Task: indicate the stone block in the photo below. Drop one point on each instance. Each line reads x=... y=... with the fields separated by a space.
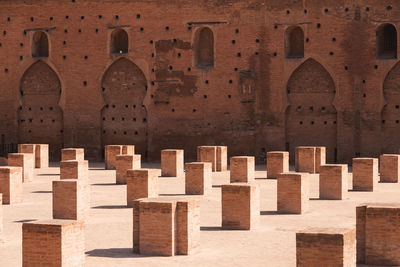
x=24 y=160
x=333 y=181
x=41 y=152
x=11 y=184
x=74 y=169
x=277 y=162
x=240 y=206
x=389 y=168
x=124 y=163
x=222 y=159
x=198 y=178
x=166 y=226
x=111 y=152
x=53 y=243
x=305 y=159
x=71 y=199
x=326 y=247
x=320 y=157
x=141 y=183
x=127 y=150
x=365 y=174
x=242 y=169
x=172 y=162
x=208 y=154
x=73 y=154
x=293 y=192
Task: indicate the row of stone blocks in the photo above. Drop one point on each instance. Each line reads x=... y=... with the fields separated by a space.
x=373 y=242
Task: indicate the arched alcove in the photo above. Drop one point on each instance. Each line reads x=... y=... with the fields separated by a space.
x=119 y=42
x=124 y=117
x=40 y=44
x=204 y=48
x=386 y=42
x=311 y=116
x=40 y=118
x=294 y=42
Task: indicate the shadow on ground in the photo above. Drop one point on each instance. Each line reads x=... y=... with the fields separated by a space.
x=114 y=253
x=112 y=207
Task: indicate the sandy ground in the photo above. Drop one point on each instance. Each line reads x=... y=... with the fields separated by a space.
x=109 y=228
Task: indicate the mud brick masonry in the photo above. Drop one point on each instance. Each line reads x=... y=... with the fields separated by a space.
x=73 y=154
x=141 y=183
x=53 y=243
x=41 y=152
x=277 y=162
x=240 y=206
x=365 y=174
x=24 y=160
x=389 y=168
x=293 y=192
x=242 y=169
x=166 y=227
x=172 y=162
x=217 y=155
x=198 y=178
x=333 y=181
x=124 y=163
x=326 y=247
x=11 y=184
x=378 y=234
x=74 y=169
x=111 y=151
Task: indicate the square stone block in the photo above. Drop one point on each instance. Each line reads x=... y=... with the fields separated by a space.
x=305 y=159
x=389 y=168
x=128 y=150
x=172 y=163
x=378 y=234
x=123 y=164
x=111 y=152
x=74 y=169
x=365 y=174
x=240 y=206
x=277 y=162
x=24 y=160
x=333 y=181
x=320 y=157
x=166 y=226
x=222 y=159
x=326 y=247
x=11 y=184
x=242 y=169
x=142 y=183
x=73 y=154
x=208 y=154
x=53 y=243
x=41 y=152
x=198 y=178
x=71 y=199
x=293 y=192
x=26 y=148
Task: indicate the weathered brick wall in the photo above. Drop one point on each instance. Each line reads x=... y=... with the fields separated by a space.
x=252 y=98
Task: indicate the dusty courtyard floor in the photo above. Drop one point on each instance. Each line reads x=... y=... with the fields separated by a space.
x=109 y=228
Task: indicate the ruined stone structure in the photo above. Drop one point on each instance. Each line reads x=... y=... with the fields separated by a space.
x=257 y=76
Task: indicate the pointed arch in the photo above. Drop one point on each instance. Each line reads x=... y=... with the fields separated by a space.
x=294 y=42
x=40 y=44
x=386 y=42
x=124 y=117
x=119 y=42
x=391 y=111
x=311 y=116
x=40 y=118
x=204 y=48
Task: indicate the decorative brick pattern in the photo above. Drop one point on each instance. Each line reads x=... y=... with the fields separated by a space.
x=378 y=234
x=11 y=184
x=123 y=164
x=389 y=168
x=73 y=169
x=198 y=178
x=172 y=163
x=326 y=247
x=240 y=206
x=53 y=243
x=365 y=174
x=142 y=183
x=277 y=162
x=293 y=192
x=333 y=181
x=242 y=169
x=71 y=199
x=305 y=159
x=73 y=154
x=24 y=160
